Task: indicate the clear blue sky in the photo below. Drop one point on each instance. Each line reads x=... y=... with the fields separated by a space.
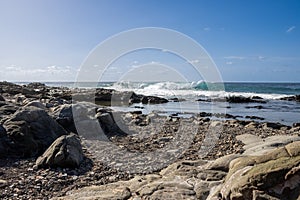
x=251 y=40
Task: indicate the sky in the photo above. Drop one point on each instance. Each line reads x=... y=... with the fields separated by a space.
x=250 y=40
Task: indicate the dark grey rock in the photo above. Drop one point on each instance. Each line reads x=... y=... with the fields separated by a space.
x=2 y=98
x=291 y=98
x=66 y=151
x=31 y=130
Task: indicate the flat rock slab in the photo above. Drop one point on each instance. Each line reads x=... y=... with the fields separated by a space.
x=254 y=145
x=181 y=180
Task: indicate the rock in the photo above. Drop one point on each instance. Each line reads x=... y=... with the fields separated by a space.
x=257 y=107
x=8 y=109
x=107 y=122
x=4 y=141
x=2 y=98
x=103 y=94
x=256 y=97
x=31 y=131
x=2 y=131
x=254 y=117
x=273 y=125
x=242 y=99
x=65 y=151
x=36 y=85
x=251 y=125
x=176 y=99
x=181 y=180
x=204 y=114
x=222 y=163
x=2 y=103
x=3 y=183
x=108 y=96
x=37 y=104
x=64 y=116
x=296 y=124
x=255 y=145
x=291 y=98
x=271 y=174
x=10 y=88
x=235 y=99
x=153 y=100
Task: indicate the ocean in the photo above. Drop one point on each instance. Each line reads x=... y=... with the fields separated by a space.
x=188 y=93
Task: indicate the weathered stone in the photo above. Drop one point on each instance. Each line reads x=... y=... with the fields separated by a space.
x=36 y=104
x=250 y=174
x=65 y=151
x=222 y=163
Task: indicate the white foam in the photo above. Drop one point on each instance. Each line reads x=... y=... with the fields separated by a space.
x=184 y=90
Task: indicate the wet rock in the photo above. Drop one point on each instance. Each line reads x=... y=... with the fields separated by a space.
x=153 y=100
x=31 y=130
x=204 y=114
x=103 y=94
x=257 y=107
x=254 y=117
x=296 y=124
x=273 y=125
x=65 y=151
x=256 y=97
x=291 y=98
x=176 y=99
x=242 y=99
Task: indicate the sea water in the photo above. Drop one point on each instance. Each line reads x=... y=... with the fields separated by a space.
x=274 y=110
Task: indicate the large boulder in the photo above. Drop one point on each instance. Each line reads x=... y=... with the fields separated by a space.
x=275 y=174
x=65 y=151
x=69 y=114
x=64 y=116
x=31 y=131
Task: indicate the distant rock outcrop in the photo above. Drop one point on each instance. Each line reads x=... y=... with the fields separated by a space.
x=291 y=98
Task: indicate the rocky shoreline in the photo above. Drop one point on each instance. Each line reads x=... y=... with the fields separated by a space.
x=43 y=153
